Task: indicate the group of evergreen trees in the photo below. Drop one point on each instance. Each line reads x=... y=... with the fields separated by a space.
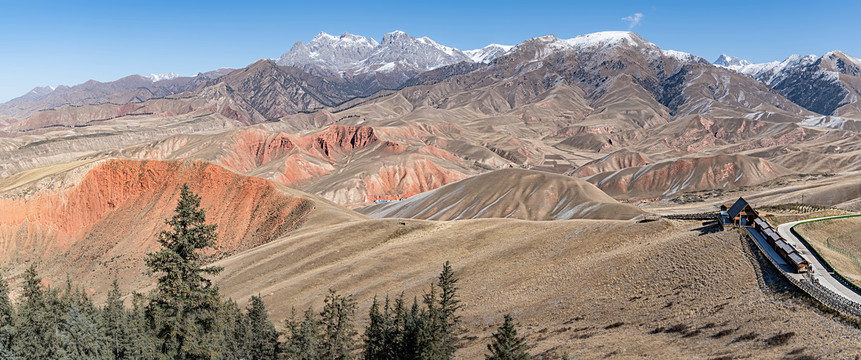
x=185 y=317
x=399 y=331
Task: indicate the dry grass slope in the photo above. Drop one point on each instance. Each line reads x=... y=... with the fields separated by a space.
x=587 y=287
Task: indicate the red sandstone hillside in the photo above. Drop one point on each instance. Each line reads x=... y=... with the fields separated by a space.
x=347 y=164
x=509 y=193
x=93 y=219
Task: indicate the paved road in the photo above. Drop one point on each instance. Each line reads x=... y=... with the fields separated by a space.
x=819 y=273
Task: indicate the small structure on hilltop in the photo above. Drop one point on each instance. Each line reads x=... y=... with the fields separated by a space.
x=740 y=214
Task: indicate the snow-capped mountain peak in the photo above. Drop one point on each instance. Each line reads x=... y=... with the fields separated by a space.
x=604 y=39
x=160 y=77
x=358 y=54
x=329 y=51
x=841 y=62
x=488 y=53
x=731 y=62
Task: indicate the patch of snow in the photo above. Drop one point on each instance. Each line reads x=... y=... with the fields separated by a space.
x=601 y=39
x=387 y=67
x=731 y=62
x=488 y=53
x=160 y=77
x=825 y=122
x=680 y=56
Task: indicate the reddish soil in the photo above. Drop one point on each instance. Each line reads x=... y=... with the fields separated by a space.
x=111 y=218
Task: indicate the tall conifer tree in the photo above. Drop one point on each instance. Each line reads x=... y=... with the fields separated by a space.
x=36 y=325
x=339 y=333
x=263 y=344
x=115 y=324
x=449 y=304
x=184 y=305
x=304 y=340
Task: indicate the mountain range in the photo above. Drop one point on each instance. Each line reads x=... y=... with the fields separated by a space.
x=449 y=114
x=828 y=85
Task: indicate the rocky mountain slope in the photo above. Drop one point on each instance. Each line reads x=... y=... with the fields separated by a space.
x=828 y=85
x=392 y=61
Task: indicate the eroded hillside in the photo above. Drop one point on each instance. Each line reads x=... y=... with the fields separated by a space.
x=100 y=218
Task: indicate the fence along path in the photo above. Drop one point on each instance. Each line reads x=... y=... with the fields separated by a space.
x=821 y=294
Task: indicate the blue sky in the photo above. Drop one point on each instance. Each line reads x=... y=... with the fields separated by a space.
x=69 y=42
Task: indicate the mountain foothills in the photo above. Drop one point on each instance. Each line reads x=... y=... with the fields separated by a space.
x=344 y=163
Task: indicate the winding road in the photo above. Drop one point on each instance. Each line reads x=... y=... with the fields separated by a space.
x=820 y=275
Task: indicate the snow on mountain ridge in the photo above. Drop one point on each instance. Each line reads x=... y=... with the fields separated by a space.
x=160 y=77
x=681 y=56
x=776 y=71
x=731 y=62
x=602 y=39
x=357 y=54
x=488 y=53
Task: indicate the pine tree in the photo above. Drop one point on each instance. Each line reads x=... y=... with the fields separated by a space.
x=339 y=334
x=115 y=324
x=506 y=345
x=234 y=332
x=375 y=334
x=304 y=339
x=263 y=344
x=80 y=338
x=415 y=341
x=142 y=339
x=431 y=329
x=7 y=321
x=36 y=325
x=448 y=322
x=392 y=332
x=183 y=306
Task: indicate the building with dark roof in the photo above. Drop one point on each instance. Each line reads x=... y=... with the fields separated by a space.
x=741 y=213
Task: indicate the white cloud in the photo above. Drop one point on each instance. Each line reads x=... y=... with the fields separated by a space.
x=633 y=20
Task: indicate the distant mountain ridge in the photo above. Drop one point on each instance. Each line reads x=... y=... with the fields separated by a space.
x=130 y=89
x=354 y=54
x=829 y=85
x=364 y=62
x=337 y=69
